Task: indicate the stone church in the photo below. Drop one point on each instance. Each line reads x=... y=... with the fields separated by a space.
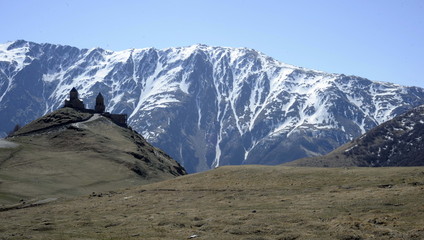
x=75 y=103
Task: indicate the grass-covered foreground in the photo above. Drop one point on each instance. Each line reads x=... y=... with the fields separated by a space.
x=240 y=202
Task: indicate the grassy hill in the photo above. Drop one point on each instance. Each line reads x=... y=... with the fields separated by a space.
x=70 y=153
x=240 y=202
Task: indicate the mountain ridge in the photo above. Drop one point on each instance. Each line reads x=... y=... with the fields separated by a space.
x=397 y=142
x=205 y=106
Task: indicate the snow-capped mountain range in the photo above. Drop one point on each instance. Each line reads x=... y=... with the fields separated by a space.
x=205 y=106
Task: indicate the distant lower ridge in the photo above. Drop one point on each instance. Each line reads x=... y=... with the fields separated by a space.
x=397 y=142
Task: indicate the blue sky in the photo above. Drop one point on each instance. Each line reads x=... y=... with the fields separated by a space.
x=382 y=40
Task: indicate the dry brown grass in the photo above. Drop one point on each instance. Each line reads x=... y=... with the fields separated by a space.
x=240 y=202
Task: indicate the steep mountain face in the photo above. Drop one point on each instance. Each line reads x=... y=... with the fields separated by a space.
x=69 y=152
x=205 y=106
x=397 y=142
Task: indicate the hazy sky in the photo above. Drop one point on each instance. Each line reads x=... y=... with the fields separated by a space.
x=381 y=40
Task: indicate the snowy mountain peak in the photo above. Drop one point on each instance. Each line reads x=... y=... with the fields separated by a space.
x=205 y=106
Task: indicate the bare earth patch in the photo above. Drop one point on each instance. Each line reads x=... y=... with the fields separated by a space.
x=7 y=144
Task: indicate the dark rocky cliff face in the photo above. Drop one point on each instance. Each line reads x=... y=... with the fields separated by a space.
x=204 y=106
